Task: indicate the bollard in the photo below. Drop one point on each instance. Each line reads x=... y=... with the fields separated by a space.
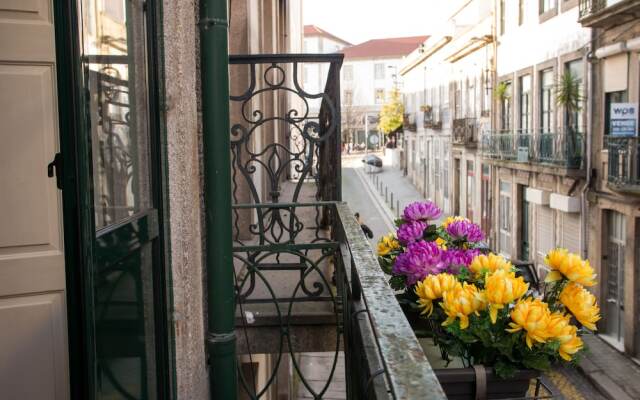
x=391 y=201
x=386 y=195
x=397 y=208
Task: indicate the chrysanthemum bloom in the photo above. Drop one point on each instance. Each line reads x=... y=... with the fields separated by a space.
x=411 y=232
x=560 y=329
x=483 y=264
x=387 y=244
x=533 y=316
x=461 y=302
x=465 y=230
x=570 y=266
x=458 y=258
x=449 y=220
x=419 y=260
x=421 y=211
x=581 y=304
x=572 y=345
x=502 y=288
x=432 y=288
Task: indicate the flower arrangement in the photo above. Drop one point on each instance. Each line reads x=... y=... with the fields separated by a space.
x=477 y=306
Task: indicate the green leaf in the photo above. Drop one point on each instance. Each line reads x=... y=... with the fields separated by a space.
x=397 y=282
x=504 y=369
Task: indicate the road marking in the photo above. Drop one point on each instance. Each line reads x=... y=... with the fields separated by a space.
x=387 y=215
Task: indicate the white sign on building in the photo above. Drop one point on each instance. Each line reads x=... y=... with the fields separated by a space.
x=623 y=119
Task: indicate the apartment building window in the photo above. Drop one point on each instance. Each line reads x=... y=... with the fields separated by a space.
x=347 y=71
x=502 y=16
x=378 y=71
x=525 y=103
x=546 y=100
x=576 y=69
x=445 y=174
x=379 y=93
x=305 y=74
x=506 y=108
x=471 y=189
x=610 y=98
x=471 y=98
x=485 y=95
x=348 y=97
x=504 y=219
x=547 y=5
x=486 y=200
x=457 y=100
x=521 y=11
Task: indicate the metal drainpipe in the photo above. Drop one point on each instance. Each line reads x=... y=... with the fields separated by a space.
x=588 y=136
x=221 y=340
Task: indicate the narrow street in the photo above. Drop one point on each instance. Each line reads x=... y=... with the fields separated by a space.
x=357 y=189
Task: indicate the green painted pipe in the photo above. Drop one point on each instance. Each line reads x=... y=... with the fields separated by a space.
x=221 y=340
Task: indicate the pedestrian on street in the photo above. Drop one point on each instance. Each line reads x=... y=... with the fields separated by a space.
x=367 y=231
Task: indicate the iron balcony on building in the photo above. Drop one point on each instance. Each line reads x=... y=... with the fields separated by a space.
x=409 y=122
x=608 y=13
x=562 y=149
x=431 y=118
x=306 y=278
x=623 y=164
x=464 y=132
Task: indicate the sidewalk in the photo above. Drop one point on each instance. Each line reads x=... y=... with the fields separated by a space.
x=614 y=374
x=392 y=187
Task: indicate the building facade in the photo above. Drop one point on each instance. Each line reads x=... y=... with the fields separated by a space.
x=448 y=102
x=370 y=71
x=614 y=189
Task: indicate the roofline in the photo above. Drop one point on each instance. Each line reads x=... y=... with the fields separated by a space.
x=427 y=53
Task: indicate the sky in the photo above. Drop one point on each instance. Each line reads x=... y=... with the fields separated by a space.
x=357 y=21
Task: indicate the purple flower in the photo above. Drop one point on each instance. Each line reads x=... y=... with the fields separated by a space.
x=421 y=211
x=411 y=232
x=465 y=230
x=458 y=258
x=419 y=260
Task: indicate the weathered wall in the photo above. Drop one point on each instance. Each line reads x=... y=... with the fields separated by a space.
x=180 y=59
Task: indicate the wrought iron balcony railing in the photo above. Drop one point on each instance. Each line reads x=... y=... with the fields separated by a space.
x=307 y=279
x=464 y=132
x=588 y=7
x=560 y=149
x=623 y=163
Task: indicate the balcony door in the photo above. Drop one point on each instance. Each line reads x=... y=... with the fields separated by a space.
x=614 y=264
x=121 y=273
x=33 y=318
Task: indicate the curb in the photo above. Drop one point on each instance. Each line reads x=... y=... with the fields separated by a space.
x=601 y=381
x=380 y=203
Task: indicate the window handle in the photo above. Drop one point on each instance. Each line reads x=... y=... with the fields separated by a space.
x=55 y=168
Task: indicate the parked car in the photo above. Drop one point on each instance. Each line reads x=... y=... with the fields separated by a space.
x=372 y=160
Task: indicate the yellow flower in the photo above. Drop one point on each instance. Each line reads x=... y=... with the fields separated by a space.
x=449 y=220
x=482 y=264
x=502 y=288
x=387 y=244
x=461 y=302
x=533 y=316
x=441 y=243
x=581 y=304
x=432 y=288
x=560 y=328
x=571 y=346
x=570 y=266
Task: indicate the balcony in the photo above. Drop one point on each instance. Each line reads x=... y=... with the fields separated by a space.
x=464 y=132
x=409 y=122
x=306 y=278
x=608 y=13
x=624 y=164
x=431 y=118
x=552 y=149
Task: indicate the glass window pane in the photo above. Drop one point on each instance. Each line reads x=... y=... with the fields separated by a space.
x=115 y=71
